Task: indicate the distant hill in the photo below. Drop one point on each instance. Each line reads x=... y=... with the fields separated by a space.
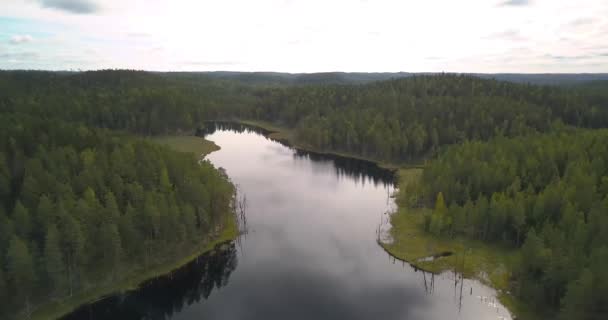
x=546 y=78
x=323 y=78
x=277 y=78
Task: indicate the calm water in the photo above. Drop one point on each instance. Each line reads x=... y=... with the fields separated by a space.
x=310 y=251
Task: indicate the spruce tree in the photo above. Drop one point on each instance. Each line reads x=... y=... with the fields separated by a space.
x=20 y=271
x=23 y=221
x=55 y=266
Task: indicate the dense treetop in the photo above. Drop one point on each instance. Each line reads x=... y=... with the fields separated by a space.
x=519 y=164
x=545 y=193
x=414 y=117
x=80 y=207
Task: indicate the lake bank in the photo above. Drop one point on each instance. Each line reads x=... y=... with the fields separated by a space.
x=341 y=268
x=135 y=277
x=474 y=259
x=186 y=143
x=286 y=135
x=58 y=309
x=488 y=263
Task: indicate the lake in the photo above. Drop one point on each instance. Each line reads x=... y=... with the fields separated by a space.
x=310 y=251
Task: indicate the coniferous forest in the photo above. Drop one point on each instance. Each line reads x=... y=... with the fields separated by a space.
x=83 y=205
x=84 y=197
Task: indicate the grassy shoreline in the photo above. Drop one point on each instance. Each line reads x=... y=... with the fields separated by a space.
x=134 y=279
x=488 y=263
x=187 y=143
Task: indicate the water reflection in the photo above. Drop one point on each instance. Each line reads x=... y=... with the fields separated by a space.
x=165 y=296
x=361 y=171
x=210 y=127
x=311 y=249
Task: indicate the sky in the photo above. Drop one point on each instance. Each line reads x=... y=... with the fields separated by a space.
x=486 y=36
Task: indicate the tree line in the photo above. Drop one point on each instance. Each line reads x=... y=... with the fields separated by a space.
x=81 y=206
x=138 y=102
x=546 y=194
x=516 y=164
x=509 y=163
x=408 y=119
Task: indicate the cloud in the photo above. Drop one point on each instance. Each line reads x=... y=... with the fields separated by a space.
x=139 y=35
x=211 y=63
x=511 y=35
x=72 y=6
x=515 y=3
x=581 y=22
x=19 y=39
x=562 y=57
x=20 y=56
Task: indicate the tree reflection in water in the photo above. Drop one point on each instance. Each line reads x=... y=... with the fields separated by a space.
x=162 y=297
x=363 y=171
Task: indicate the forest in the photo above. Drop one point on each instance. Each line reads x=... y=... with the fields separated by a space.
x=515 y=164
x=512 y=163
x=546 y=194
x=410 y=119
x=82 y=206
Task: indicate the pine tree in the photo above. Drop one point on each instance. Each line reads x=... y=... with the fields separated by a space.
x=55 y=267
x=578 y=301
x=20 y=271
x=6 y=232
x=23 y=222
x=72 y=243
x=165 y=183
x=3 y=287
x=439 y=215
x=111 y=245
x=30 y=191
x=129 y=235
x=45 y=215
x=5 y=179
x=111 y=207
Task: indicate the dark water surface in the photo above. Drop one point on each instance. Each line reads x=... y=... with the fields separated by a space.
x=310 y=251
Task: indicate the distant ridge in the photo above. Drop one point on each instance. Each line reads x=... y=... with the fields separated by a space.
x=274 y=78
x=336 y=78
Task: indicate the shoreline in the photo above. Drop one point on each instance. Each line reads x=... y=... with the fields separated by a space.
x=58 y=309
x=230 y=232
x=187 y=143
x=489 y=261
x=135 y=278
x=486 y=263
x=285 y=135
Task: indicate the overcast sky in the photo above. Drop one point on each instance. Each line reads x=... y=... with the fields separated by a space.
x=306 y=35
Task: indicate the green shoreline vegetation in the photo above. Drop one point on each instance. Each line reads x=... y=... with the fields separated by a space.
x=287 y=136
x=186 y=143
x=134 y=279
x=87 y=212
x=519 y=169
x=494 y=264
x=131 y=281
x=488 y=263
x=533 y=209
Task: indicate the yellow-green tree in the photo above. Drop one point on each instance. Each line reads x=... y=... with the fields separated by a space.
x=438 y=216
